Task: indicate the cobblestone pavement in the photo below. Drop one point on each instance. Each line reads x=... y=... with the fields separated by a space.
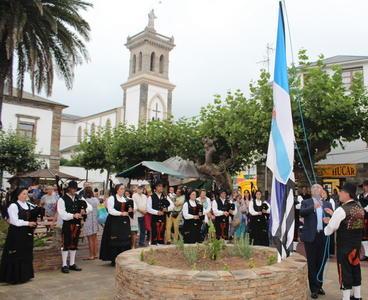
x=96 y=281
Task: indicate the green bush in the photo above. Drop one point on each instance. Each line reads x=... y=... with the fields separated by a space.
x=39 y=242
x=3 y=232
x=272 y=259
x=242 y=247
x=191 y=254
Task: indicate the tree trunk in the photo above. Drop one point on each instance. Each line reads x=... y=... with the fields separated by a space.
x=107 y=180
x=2 y=85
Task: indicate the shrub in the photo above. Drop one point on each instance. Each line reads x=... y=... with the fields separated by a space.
x=272 y=259
x=3 y=232
x=191 y=254
x=242 y=247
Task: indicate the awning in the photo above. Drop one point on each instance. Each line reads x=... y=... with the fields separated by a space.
x=140 y=170
x=47 y=174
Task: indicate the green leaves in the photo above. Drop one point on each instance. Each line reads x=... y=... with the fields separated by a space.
x=17 y=153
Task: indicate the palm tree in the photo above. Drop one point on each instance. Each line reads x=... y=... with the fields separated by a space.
x=39 y=37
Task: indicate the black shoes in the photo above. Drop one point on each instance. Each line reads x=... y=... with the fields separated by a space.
x=65 y=269
x=314 y=295
x=75 y=268
x=321 y=292
x=353 y=298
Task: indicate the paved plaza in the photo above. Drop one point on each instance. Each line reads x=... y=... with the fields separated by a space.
x=96 y=281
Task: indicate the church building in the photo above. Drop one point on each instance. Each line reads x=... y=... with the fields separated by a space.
x=147 y=94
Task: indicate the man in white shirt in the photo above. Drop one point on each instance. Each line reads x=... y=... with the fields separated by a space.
x=347 y=221
x=140 y=202
x=158 y=205
x=223 y=208
x=71 y=209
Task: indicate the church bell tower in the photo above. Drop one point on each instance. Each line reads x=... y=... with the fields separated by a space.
x=148 y=91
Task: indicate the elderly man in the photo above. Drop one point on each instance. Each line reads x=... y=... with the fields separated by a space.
x=313 y=212
x=347 y=221
x=140 y=202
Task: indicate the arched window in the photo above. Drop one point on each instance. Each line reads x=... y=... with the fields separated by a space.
x=140 y=61
x=152 y=64
x=108 y=124
x=93 y=128
x=161 y=70
x=134 y=63
x=79 y=134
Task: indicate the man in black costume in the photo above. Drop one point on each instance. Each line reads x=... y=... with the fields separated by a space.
x=347 y=221
x=158 y=205
x=71 y=209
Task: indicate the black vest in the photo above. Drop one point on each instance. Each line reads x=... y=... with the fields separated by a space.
x=73 y=207
x=24 y=214
x=226 y=206
x=350 y=232
x=193 y=210
x=159 y=203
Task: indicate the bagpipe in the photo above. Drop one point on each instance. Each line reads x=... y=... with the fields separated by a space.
x=199 y=210
x=163 y=203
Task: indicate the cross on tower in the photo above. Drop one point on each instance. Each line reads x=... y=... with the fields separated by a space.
x=156 y=111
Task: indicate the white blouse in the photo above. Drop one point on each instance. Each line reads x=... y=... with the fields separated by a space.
x=13 y=214
x=186 y=214
x=110 y=205
x=258 y=203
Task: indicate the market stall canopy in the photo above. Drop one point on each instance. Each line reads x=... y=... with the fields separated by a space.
x=185 y=167
x=139 y=170
x=47 y=174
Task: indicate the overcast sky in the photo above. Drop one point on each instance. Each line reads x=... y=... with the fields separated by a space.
x=219 y=44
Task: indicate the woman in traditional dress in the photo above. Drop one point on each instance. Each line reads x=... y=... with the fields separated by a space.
x=192 y=212
x=259 y=211
x=91 y=227
x=17 y=259
x=116 y=236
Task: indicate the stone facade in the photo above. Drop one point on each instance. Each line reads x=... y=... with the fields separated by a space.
x=138 y=280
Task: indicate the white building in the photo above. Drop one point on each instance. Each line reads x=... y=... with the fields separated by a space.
x=147 y=94
x=37 y=118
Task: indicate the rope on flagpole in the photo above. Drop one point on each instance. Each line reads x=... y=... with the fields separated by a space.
x=299 y=102
x=302 y=161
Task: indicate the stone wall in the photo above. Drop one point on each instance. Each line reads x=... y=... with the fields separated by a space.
x=139 y=280
x=46 y=258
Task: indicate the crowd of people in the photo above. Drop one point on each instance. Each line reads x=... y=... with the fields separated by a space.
x=154 y=215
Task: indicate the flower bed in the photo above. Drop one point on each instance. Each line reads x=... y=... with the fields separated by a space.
x=140 y=277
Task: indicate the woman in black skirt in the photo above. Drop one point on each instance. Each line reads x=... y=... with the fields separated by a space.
x=116 y=236
x=17 y=259
x=259 y=211
x=192 y=214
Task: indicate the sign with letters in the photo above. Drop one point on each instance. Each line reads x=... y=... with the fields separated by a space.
x=337 y=171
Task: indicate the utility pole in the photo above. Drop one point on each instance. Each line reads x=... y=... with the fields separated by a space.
x=267 y=59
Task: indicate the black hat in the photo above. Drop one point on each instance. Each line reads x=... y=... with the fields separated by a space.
x=73 y=185
x=365 y=182
x=349 y=188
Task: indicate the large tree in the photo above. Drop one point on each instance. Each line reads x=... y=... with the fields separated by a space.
x=233 y=132
x=40 y=37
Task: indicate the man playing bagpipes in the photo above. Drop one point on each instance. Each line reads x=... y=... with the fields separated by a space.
x=223 y=209
x=72 y=211
x=158 y=205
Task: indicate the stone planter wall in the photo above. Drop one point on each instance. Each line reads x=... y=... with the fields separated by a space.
x=46 y=258
x=138 y=280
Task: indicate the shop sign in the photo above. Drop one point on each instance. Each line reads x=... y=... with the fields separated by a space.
x=336 y=171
